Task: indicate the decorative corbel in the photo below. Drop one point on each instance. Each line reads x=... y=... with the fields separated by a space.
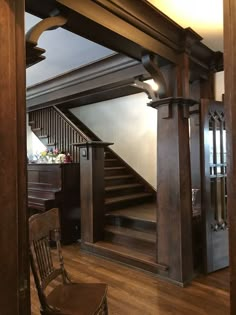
x=152 y=68
x=34 y=53
x=47 y=24
x=146 y=88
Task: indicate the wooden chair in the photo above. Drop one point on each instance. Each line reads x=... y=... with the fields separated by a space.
x=66 y=297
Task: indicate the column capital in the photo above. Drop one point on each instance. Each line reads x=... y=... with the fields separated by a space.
x=168 y=103
x=173 y=101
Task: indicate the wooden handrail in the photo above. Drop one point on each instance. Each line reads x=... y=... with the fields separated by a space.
x=71 y=123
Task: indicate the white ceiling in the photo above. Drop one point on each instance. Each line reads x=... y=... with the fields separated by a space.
x=204 y=16
x=66 y=51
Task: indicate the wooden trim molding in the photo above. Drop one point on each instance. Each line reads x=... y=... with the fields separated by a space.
x=129 y=28
x=111 y=72
x=14 y=284
x=230 y=111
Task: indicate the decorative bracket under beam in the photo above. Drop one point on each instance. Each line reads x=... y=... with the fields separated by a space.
x=49 y=23
x=153 y=95
x=153 y=69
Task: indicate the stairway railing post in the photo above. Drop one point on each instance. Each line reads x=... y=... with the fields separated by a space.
x=92 y=190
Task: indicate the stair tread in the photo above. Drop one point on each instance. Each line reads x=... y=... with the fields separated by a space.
x=36 y=129
x=120 y=187
x=43 y=136
x=38 y=198
x=140 y=235
x=51 y=143
x=126 y=197
x=144 y=212
x=52 y=190
x=118 y=177
x=111 y=160
x=114 y=168
x=122 y=250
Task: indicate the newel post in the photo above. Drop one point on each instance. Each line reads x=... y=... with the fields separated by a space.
x=92 y=190
x=174 y=209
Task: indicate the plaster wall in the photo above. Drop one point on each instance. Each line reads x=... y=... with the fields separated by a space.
x=34 y=145
x=131 y=125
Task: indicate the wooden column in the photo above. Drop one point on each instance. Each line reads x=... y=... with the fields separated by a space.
x=14 y=268
x=92 y=190
x=230 y=110
x=174 y=214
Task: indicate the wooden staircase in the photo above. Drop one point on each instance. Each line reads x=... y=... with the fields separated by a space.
x=130 y=211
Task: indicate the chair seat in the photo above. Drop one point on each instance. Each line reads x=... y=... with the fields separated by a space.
x=78 y=298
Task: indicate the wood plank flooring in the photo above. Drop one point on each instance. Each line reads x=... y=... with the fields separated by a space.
x=134 y=292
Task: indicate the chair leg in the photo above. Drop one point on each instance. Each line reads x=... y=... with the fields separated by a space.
x=105 y=308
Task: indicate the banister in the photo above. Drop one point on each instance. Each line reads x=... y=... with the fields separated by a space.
x=71 y=123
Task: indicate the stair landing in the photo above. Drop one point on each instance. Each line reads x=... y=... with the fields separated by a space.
x=144 y=212
x=130 y=237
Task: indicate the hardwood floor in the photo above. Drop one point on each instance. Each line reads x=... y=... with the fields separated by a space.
x=134 y=292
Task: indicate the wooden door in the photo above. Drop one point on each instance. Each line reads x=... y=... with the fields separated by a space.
x=214 y=194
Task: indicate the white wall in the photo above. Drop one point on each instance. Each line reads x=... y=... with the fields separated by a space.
x=131 y=125
x=34 y=145
x=219 y=85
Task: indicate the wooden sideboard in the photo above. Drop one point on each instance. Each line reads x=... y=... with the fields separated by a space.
x=56 y=185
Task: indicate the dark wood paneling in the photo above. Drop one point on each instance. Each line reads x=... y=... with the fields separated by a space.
x=130 y=29
x=174 y=211
x=213 y=175
x=14 y=269
x=92 y=191
x=230 y=108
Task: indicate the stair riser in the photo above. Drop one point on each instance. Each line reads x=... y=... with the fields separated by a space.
x=127 y=203
x=41 y=194
x=36 y=185
x=114 y=163
x=137 y=244
x=123 y=192
x=115 y=172
x=131 y=223
x=119 y=257
x=122 y=181
x=34 y=204
x=109 y=155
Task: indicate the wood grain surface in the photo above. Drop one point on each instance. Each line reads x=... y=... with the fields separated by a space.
x=134 y=292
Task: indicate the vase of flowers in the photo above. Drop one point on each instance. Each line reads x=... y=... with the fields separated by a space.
x=53 y=156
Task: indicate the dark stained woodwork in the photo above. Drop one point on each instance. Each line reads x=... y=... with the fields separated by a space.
x=133 y=292
x=214 y=194
x=194 y=123
x=57 y=185
x=130 y=29
x=90 y=80
x=33 y=54
x=56 y=131
x=230 y=111
x=14 y=269
x=124 y=36
x=174 y=209
x=92 y=190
